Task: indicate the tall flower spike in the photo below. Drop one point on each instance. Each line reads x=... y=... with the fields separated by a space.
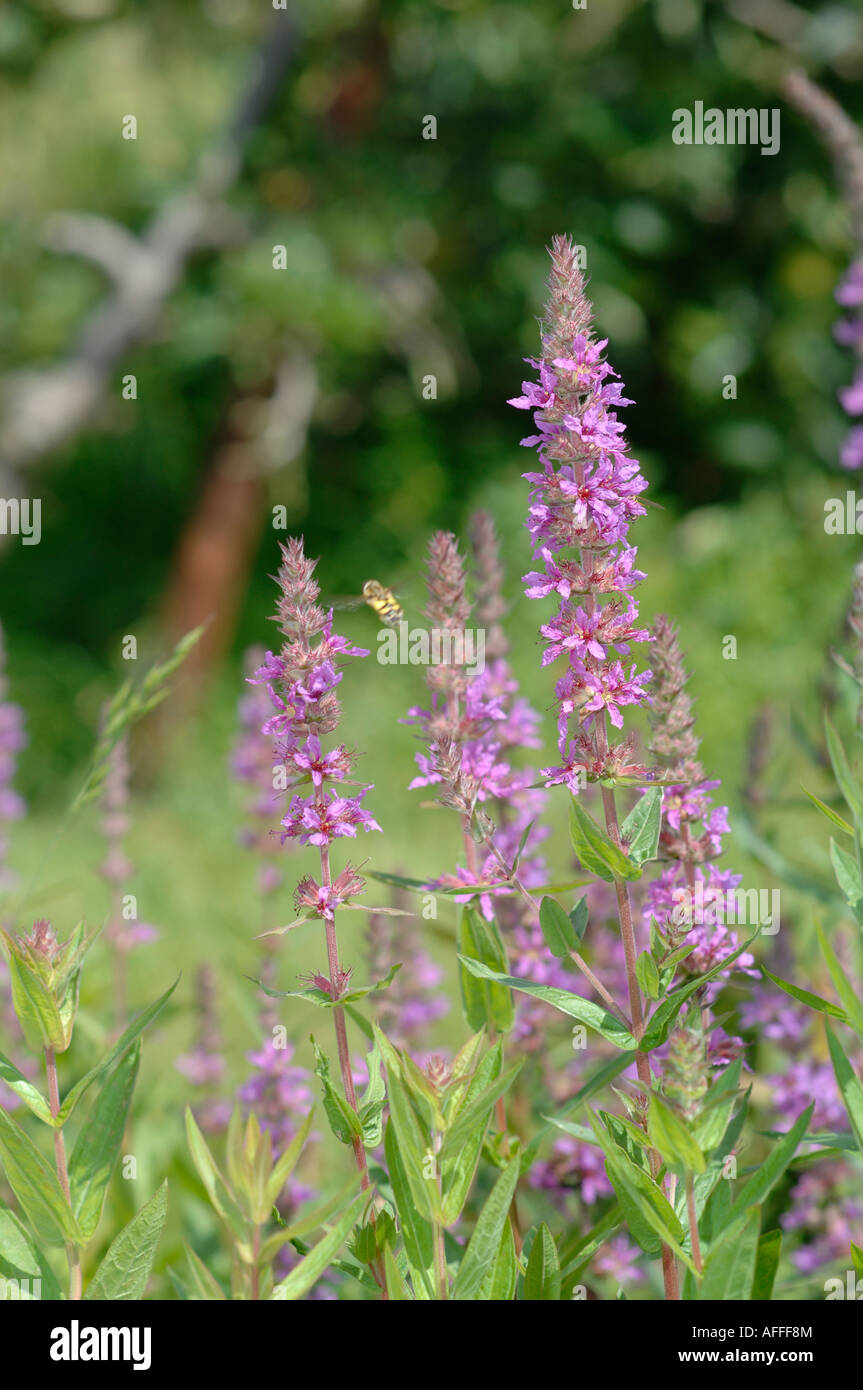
x=583 y=501
x=843 y=142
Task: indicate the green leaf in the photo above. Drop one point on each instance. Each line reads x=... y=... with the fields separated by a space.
x=476 y=1111
x=133 y=1032
x=857 y=1257
x=578 y=918
x=396 y=1286
x=35 y=1006
x=847 y=872
x=584 y=1010
x=557 y=929
x=640 y=830
x=596 y=851
x=672 y=1140
x=218 y=1191
x=500 y=1285
x=484 y=1004
x=35 y=1185
x=660 y=1023
x=770 y=1171
x=849 y=1085
x=484 y=1243
x=98 y=1144
x=766 y=1265
x=730 y=1268
x=25 y=1090
x=848 y=784
x=459 y=1160
x=600 y=1078
x=814 y=1001
x=831 y=815
x=414 y=1148
x=647 y=976
x=542 y=1278
x=844 y=989
x=638 y=1193
x=22 y=1260
x=287 y=1163
x=307 y=1273
x=344 y=1120
x=122 y=1276
x=203 y=1288
x=416 y=1231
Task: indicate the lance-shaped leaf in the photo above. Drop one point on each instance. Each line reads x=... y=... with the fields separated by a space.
x=730 y=1268
x=202 y=1286
x=844 y=988
x=35 y=1185
x=484 y=1243
x=584 y=1010
x=310 y=1268
x=638 y=1193
x=557 y=928
x=848 y=784
x=416 y=1231
x=661 y=1021
x=847 y=872
x=24 y=1089
x=595 y=849
x=122 y=1276
x=770 y=1171
x=640 y=830
x=542 y=1278
x=839 y=821
x=805 y=996
x=98 y=1144
x=218 y=1191
x=343 y=1119
x=485 y=1004
x=371 y=1102
x=671 y=1139
x=22 y=1260
x=476 y=1111
x=766 y=1265
x=849 y=1085
x=500 y=1283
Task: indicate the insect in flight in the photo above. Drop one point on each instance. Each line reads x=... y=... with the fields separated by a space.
x=382 y=601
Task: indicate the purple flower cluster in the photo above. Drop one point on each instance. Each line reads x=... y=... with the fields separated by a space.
x=583 y=500
x=301 y=683
x=849 y=332
x=691 y=895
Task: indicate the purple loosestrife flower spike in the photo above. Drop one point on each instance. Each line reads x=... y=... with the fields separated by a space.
x=692 y=827
x=301 y=684
x=581 y=505
x=843 y=142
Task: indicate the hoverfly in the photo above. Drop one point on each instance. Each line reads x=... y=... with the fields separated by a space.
x=382 y=601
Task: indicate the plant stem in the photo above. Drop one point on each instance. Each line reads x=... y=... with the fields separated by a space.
x=357 y=1144
x=642 y=1059
x=693 y=1222
x=73 y=1256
